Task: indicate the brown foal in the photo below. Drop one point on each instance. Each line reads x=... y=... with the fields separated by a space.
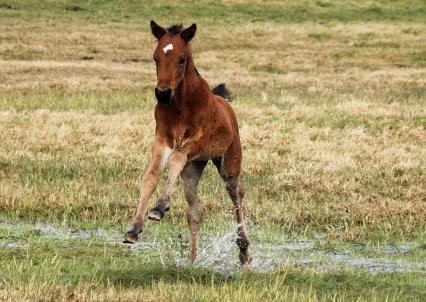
x=193 y=125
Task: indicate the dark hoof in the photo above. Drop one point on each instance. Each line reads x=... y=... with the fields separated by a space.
x=245 y=258
x=243 y=244
x=158 y=212
x=155 y=215
x=130 y=237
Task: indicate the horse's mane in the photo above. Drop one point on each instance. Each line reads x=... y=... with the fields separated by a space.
x=175 y=29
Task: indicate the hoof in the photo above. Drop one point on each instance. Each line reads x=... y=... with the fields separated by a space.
x=130 y=237
x=158 y=212
x=155 y=215
x=245 y=258
x=243 y=244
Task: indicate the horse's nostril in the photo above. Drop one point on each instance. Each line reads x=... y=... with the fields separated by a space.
x=163 y=96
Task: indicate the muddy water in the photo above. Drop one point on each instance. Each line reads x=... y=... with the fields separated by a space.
x=220 y=253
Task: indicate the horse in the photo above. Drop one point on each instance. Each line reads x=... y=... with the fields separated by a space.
x=193 y=125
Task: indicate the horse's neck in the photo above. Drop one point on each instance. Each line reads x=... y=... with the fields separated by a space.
x=191 y=83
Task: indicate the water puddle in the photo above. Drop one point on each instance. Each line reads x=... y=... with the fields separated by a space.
x=269 y=257
x=19 y=229
x=12 y=245
x=222 y=255
x=219 y=252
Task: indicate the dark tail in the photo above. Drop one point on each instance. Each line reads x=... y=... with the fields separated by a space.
x=222 y=91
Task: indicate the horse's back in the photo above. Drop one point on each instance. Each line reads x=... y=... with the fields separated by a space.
x=226 y=112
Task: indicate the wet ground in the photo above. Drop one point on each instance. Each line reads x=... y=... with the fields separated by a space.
x=219 y=252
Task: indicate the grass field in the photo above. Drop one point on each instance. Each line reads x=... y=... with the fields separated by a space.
x=331 y=103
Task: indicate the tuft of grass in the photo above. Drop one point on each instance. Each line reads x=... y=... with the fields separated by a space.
x=269 y=68
x=320 y=36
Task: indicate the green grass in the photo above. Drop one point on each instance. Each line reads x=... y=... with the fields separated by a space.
x=330 y=99
x=95 y=270
x=104 y=103
x=210 y=11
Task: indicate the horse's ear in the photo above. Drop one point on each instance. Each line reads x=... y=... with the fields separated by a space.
x=157 y=30
x=188 y=33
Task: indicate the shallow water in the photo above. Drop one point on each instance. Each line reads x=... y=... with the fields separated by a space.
x=219 y=252
x=223 y=256
x=17 y=229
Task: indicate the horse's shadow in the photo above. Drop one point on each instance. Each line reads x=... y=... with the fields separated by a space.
x=144 y=275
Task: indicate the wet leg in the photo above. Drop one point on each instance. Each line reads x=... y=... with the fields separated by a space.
x=149 y=183
x=191 y=175
x=229 y=170
x=235 y=188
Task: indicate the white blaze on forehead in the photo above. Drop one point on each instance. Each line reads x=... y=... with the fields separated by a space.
x=168 y=48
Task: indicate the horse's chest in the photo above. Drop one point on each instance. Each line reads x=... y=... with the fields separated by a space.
x=181 y=131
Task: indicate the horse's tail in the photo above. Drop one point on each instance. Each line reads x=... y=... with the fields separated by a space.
x=222 y=91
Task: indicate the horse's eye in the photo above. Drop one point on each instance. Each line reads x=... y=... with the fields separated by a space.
x=182 y=61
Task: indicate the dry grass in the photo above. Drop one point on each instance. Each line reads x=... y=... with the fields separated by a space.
x=320 y=58
x=312 y=175
x=331 y=116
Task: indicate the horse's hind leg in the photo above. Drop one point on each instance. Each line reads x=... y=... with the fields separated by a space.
x=191 y=175
x=235 y=188
x=229 y=169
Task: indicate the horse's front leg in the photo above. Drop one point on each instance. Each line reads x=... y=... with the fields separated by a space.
x=149 y=183
x=177 y=161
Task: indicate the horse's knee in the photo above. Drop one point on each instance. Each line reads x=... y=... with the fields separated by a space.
x=241 y=189
x=190 y=195
x=194 y=214
x=231 y=185
x=190 y=183
x=235 y=188
x=150 y=179
x=177 y=158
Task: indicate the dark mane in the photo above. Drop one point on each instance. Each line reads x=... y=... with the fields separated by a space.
x=175 y=29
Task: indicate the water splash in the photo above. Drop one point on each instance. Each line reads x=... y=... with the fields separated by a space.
x=219 y=252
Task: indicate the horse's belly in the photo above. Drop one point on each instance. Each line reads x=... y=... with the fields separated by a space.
x=210 y=152
x=201 y=158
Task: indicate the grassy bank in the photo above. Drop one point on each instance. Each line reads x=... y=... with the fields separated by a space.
x=330 y=98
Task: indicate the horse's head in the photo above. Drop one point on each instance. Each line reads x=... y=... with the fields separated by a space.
x=171 y=57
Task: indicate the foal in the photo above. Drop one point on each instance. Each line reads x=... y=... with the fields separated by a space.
x=193 y=125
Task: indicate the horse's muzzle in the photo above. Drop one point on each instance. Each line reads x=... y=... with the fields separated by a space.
x=163 y=96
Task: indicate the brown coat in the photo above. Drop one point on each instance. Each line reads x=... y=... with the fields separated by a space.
x=193 y=125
